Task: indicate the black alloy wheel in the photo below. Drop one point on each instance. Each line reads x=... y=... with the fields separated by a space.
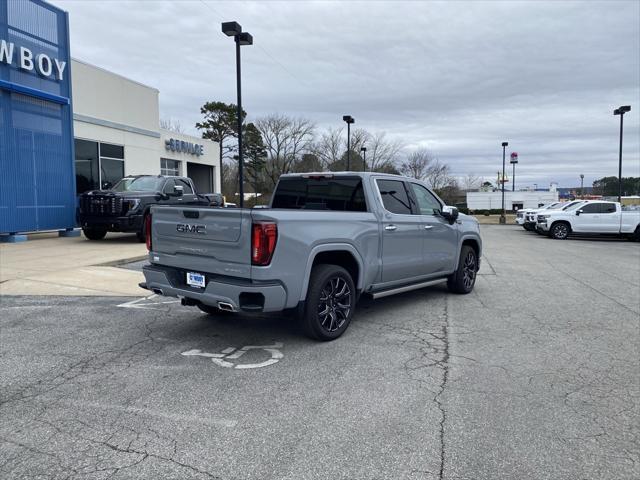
x=335 y=304
x=330 y=302
x=469 y=270
x=464 y=278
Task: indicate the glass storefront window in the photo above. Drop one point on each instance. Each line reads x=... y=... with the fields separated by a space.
x=111 y=151
x=112 y=171
x=98 y=165
x=87 y=171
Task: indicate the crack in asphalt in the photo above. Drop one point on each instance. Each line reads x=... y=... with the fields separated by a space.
x=591 y=287
x=443 y=386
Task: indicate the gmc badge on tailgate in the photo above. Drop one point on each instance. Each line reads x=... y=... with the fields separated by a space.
x=186 y=228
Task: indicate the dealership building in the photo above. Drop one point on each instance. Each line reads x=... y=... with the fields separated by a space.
x=67 y=126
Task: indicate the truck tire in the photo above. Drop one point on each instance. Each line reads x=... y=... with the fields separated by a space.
x=330 y=303
x=636 y=235
x=142 y=234
x=560 y=230
x=94 y=233
x=464 y=278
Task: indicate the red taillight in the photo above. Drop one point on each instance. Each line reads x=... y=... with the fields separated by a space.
x=263 y=243
x=147 y=231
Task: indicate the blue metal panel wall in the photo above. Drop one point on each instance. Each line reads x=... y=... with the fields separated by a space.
x=37 y=176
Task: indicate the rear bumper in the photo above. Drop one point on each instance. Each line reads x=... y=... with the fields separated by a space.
x=130 y=223
x=242 y=295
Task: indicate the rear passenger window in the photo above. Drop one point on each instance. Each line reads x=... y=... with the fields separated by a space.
x=344 y=194
x=608 y=208
x=394 y=196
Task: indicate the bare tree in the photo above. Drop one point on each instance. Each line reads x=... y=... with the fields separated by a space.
x=171 y=125
x=381 y=151
x=329 y=147
x=471 y=182
x=417 y=164
x=438 y=176
x=285 y=139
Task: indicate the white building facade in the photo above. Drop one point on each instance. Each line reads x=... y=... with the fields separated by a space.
x=117 y=133
x=512 y=200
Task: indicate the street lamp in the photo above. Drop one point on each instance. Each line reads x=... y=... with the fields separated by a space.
x=513 y=161
x=364 y=158
x=349 y=119
x=503 y=217
x=233 y=29
x=582 y=185
x=620 y=111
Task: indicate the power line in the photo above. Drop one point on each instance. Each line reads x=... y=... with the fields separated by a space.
x=220 y=17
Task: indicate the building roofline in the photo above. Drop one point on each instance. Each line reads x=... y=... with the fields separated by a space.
x=115 y=74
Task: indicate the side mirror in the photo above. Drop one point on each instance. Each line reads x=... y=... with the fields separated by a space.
x=178 y=191
x=578 y=212
x=217 y=200
x=450 y=213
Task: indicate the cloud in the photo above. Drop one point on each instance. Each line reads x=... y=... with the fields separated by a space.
x=458 y=77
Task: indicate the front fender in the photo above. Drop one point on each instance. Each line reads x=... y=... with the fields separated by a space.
x=465 y=236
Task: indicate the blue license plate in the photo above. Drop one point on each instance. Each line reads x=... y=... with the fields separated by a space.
x=195 y=279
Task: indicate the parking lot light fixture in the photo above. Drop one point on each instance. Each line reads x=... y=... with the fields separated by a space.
x=233 y=29
x=582 y=185
x=620 y=111
x=349 y=119
x=364 y=158
x=503 y=216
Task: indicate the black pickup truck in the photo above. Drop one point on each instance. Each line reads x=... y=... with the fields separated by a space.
x=123 y=207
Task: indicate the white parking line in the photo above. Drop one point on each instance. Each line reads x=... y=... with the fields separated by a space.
x=140 y=303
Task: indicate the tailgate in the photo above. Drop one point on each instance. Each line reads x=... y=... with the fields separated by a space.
x=203 y=239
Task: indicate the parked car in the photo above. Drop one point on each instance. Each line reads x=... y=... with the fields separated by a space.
x=592 y=218
x=531 y=217
x=124 y=207
x=527 y=217
x=326 y=239
x=563 y=207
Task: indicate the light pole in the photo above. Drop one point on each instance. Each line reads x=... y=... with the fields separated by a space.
x=620 y=111
x=513 y=161
x=349 y=119
x=582 y=185
x=233 y=29
x=503 y=216
x=364 y=158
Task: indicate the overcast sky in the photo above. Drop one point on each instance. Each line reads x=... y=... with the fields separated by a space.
x=457 y=77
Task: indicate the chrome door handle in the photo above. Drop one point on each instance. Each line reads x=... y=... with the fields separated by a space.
x=391 y=228
x=428 y=227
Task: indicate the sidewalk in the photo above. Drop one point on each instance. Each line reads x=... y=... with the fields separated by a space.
x=495 y=219
x=50 y=265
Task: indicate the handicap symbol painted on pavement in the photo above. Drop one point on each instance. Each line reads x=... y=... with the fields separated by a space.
x=231 y=353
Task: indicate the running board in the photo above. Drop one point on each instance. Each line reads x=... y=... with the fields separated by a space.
x=407 y=288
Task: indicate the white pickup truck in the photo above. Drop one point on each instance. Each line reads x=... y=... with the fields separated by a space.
x=591 y=218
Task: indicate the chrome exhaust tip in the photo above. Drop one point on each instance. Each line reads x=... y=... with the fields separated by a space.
x=226 y=307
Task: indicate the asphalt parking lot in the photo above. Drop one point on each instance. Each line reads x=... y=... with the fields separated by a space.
x=535 y=375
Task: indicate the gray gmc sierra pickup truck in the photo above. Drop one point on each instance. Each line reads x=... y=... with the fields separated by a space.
x=325 y=239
